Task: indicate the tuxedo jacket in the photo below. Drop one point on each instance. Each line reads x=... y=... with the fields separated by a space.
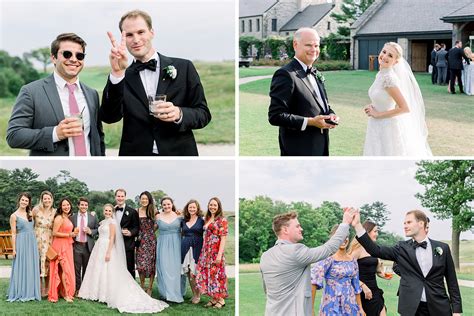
x=286 y=274
x=128 y=100
x=131 y=222
x=292 y=99
x=92 y=224
x=412 y=280
x=455 y=56
x=38 y=110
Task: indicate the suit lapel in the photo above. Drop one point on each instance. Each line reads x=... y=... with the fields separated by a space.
x=163 y=81
x=53 y=97
x=136 y=86
x=436 y=258
x=301 y=73
x=412 y=255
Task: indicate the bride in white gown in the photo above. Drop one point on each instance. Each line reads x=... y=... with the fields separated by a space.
x=396 y=125
x=107 y=279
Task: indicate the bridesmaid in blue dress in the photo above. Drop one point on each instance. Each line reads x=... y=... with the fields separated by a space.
x=25 y=274
x=342 y=291
x=168 y=252
x=191 y=246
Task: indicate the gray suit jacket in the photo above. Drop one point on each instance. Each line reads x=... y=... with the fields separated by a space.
x=441 y=60
x=92 y=224
x=38 y=110
x=286 y=274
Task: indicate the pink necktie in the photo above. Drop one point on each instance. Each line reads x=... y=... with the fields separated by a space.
x=79 y=141
x=82 y=236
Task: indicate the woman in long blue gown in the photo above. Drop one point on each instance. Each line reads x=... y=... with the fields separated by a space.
x=168 y=252
x=25 y=274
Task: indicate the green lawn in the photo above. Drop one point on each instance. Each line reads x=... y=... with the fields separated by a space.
x=83 y=307
x=256 y=71
x=252 y=297
x=450 y=118
x=218 y=80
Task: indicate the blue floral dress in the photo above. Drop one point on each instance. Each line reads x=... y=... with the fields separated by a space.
x=342 y=285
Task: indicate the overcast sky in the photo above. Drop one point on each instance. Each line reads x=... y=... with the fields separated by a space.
x=351 y=183
x=180 y=179
x=191 y=29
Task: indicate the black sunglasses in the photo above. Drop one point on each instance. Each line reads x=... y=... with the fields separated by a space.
x=68 y=54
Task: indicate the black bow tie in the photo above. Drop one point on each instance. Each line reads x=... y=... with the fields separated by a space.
x=420 y=244
x=139 y=66
x=311 y=70
x=119 y=209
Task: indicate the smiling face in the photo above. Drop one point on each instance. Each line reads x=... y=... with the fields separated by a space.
x=83 y=206
x=120 y=198
x=293 y=231
x=66 y=207
x=47 y=200
x=108 y=211
x=412 y=227
x=138 y=38
x=373 y=234
x=388 y=57
x=307 y=47
x=192 y=209
x=167 y=206
x=24 y=202
x=213 y=207
x=68 y=68
x=144 y=201
x=344 y=244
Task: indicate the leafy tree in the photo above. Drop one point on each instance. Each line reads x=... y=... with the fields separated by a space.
x=351 y=11
x=449 y=192
x=289 y=46
x=42 y=55
x=258 y=44
x=98 y=199
x=14 y=72
x=375 y=212
x=68 y=186
x=337 y=47
x=245 y=42
x=275 y=43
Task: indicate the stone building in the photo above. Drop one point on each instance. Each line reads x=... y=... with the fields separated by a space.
x=415 y=25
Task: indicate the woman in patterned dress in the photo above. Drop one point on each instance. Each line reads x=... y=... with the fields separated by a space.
x=146 y=251
x=342 y=291
x=211 y=278
x=43 y=215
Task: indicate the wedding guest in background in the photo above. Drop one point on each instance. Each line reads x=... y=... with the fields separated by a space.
x=341 y=275
x=168 y=252
x=127 y=219
x=86 y=229
x=43 y=215
x=468 y=72
x=191 y=246
x=146 y=250
x=372 y=299
x=169 y=131
x=434 y=71
x=455 y=58
x=442 y=64
x=62 y=280
x=25 y=273
x=107 y=279
x=211 y=277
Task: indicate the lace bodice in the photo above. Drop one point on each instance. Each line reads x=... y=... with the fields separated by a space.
x=381 y=100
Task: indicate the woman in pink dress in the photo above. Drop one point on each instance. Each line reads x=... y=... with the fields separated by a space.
x=61 y=270
x=211 y=278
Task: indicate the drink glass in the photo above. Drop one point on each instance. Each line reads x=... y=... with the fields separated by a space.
x=153 y=102
x=388 y=273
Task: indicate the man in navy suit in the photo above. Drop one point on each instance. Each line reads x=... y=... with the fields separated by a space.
x=423 y=264
x=299 y=103
x=455 y=56
x=168 y=131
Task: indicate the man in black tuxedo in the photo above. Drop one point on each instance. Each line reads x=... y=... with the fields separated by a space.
x=84 y=241
x=423 y=264
x=299 y=103
x=455 y=56
x=434 y=72
x=167 y=129
x=127 y=218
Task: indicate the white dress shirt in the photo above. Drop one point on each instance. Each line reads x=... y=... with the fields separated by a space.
x=425 y=260
x=63 y=92
x=119 y=215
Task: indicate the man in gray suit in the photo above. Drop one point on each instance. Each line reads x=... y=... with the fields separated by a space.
x=58 y=115
x=87 y=228
x=442 y=64
x=286 y=266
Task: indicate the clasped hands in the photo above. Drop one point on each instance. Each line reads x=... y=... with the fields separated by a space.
x=351 y=216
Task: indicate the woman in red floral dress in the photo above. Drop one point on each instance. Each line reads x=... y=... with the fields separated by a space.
x=211 y=277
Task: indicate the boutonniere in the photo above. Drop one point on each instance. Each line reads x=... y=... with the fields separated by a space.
x=126 y=213
x=170 y=72
x=320 y=77
x=92 y=213
x=439 y=251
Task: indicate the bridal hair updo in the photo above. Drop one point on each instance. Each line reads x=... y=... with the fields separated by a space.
x=111 y=206
x=397 y=47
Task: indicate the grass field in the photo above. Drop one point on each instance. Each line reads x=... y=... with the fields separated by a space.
x=252 y=297
x=83 y=307
x=217 y=79
x=450 y=118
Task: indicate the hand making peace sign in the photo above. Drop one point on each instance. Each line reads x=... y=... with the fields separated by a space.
x=118 y=55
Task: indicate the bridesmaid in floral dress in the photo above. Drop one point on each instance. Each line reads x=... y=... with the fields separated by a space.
x=211 y=278
x=43 y=215
x=62 y=280
x=146 y=251
x=342 y=292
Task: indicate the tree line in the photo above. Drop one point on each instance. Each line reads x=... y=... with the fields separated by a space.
x=12 y=182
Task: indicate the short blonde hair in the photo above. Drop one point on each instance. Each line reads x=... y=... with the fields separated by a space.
x=281 y=220
x=397 y=47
